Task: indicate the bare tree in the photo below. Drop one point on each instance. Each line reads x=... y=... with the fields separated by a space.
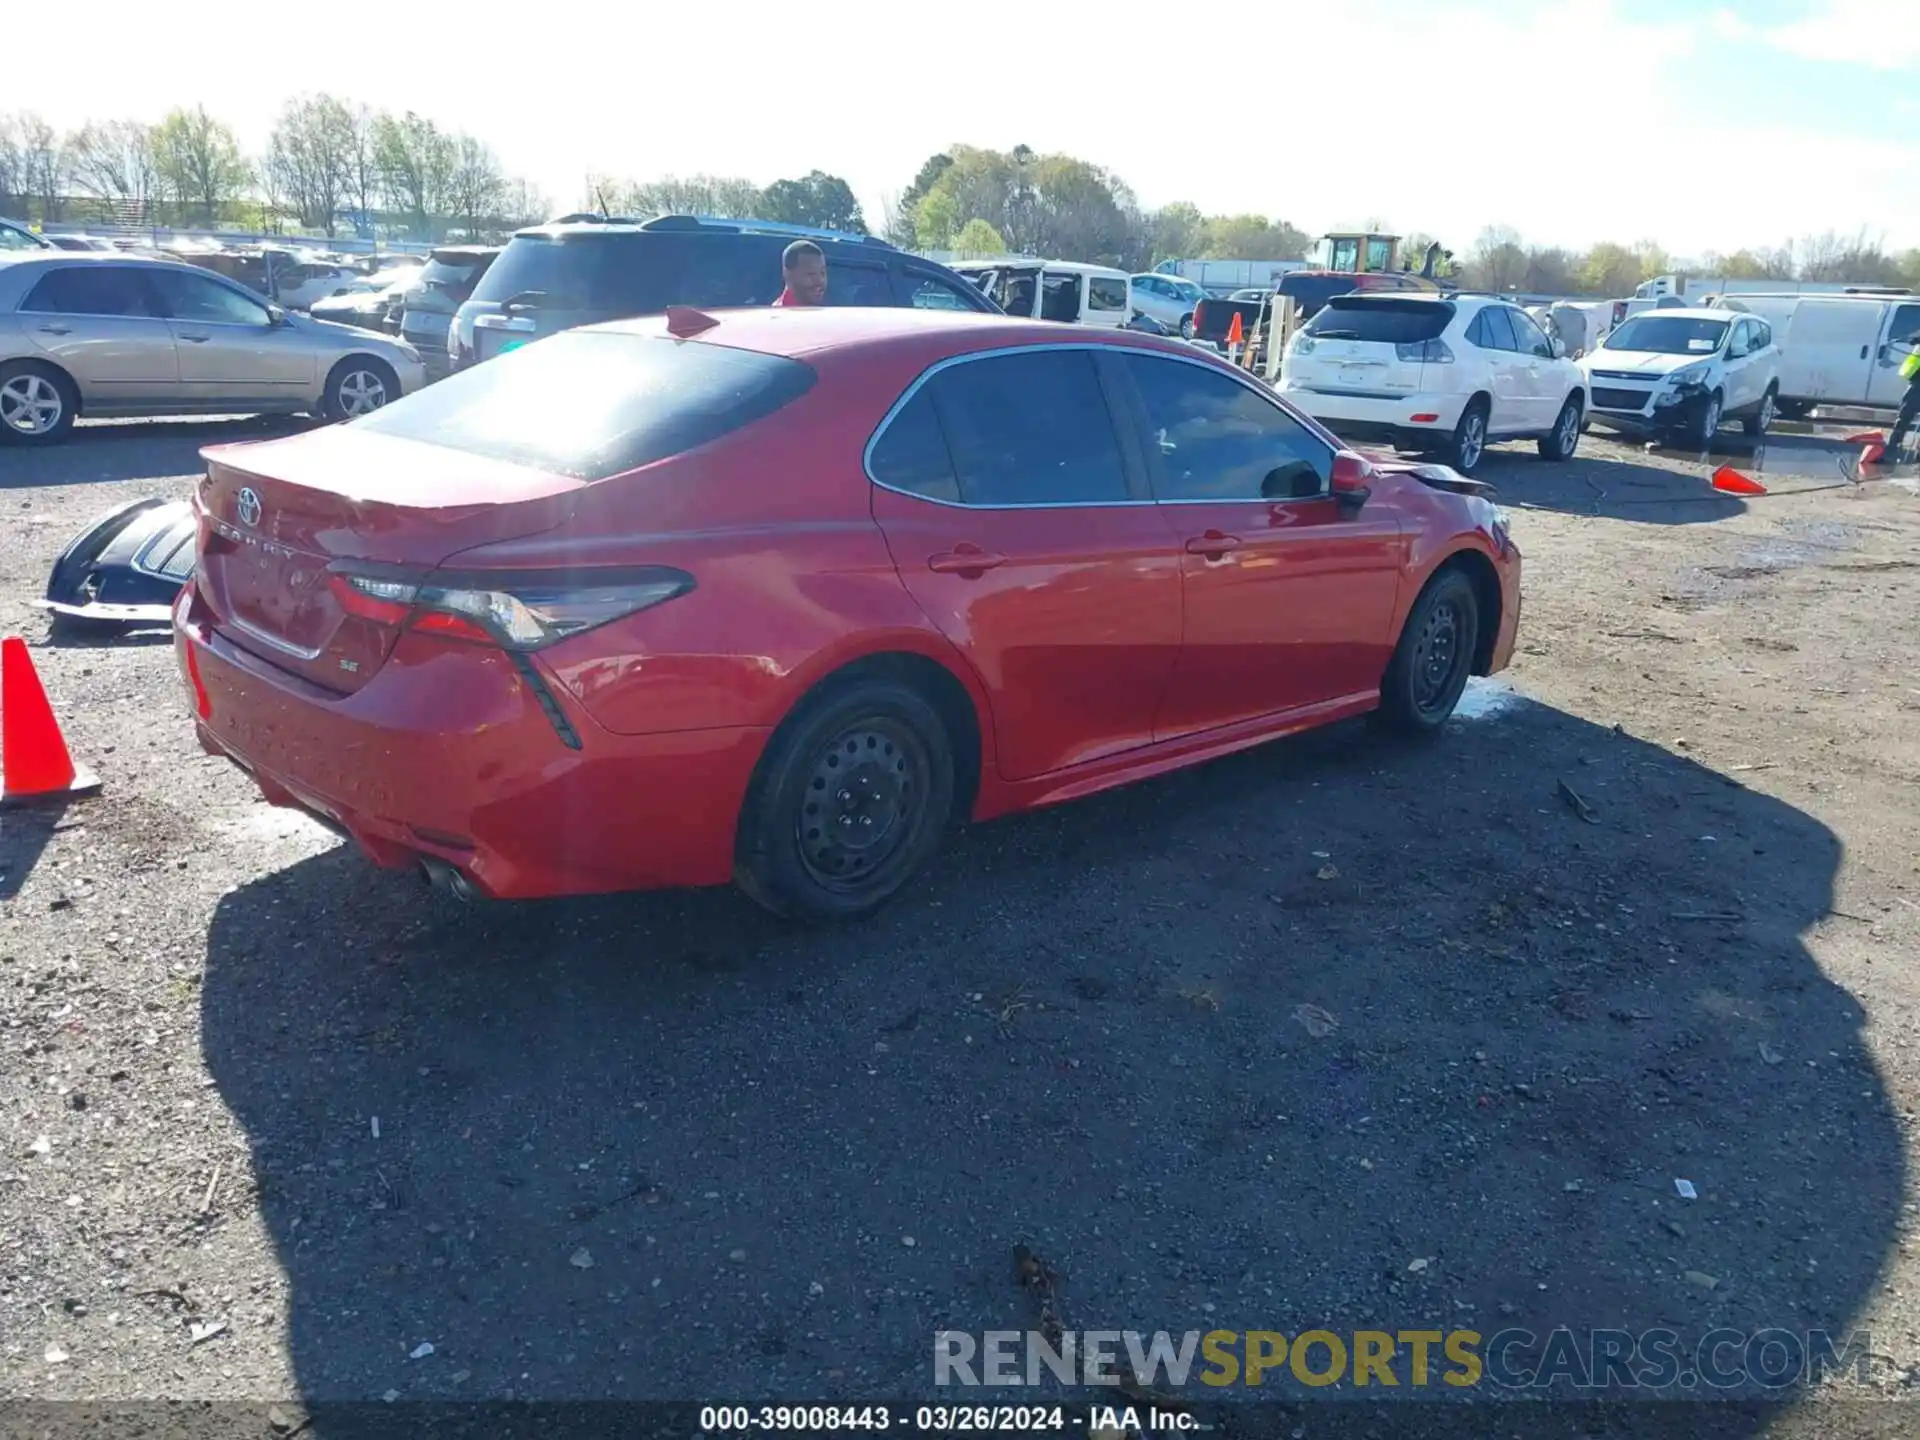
x=307 y=156
x=690 y=195
x=45 y=163
x=417 y=160
x=475 y=185
x=198 y=162
x=363 y=163
x=1839 y=259
x=13 y=166
x=113 y=161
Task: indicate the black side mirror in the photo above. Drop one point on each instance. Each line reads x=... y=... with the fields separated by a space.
x=1296 y=480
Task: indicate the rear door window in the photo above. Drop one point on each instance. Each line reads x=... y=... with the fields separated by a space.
x=721 y=272
x=849 y=284
x=1209 y=437
x=630 y=400
x=1497 y=329
x=90 y=290
x=1030 y=428
x=911 y=453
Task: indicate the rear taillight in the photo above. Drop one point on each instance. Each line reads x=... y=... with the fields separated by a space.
x=518 y=612
x=1426 y=352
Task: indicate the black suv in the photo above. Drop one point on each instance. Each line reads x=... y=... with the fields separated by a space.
x=585 y=269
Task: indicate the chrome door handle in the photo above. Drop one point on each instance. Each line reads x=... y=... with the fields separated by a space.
x=196 y=339
x=55 y=330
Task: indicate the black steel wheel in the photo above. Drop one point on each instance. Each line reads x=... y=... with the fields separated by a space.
x=848 y=803
x=1434 y=657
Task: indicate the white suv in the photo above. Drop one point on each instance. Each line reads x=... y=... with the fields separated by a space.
x=1680 y=373
x=1444 y=373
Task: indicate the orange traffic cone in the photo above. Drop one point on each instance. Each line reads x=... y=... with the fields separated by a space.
x=1235 y=331
x=1734 y=483
x=34 y=763
x=1867 y=437
x=1873 y=452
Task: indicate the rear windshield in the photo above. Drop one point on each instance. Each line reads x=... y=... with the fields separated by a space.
x=1669 y=335
x=566 y=272
x=453 y=273
x=1391 y=322
x=590 y=405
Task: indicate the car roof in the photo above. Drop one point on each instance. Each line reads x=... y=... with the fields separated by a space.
x=795 y=332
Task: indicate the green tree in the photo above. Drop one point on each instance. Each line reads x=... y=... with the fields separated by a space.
x=1610 y=271
x=1179 y=231
x=1252 y=237
x=817 y=198
x=198 y=162
x=902 y=222
x=978 y=239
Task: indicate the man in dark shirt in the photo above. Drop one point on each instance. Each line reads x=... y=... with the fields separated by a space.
x=804 y=268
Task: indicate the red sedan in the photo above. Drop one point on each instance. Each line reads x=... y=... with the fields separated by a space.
x=776 y=595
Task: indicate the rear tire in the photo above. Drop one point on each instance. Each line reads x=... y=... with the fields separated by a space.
x=1565 y=437
x=849 y=801
x=1761 y=421
x=1186 y=327
x=38 y=404
x=1469 y=443
x=1793 y=409
x=359 y=385
x=1434 y=657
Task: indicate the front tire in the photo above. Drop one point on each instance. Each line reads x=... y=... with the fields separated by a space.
x=1565 y=437
x=847 y=804
x=1186 y=327
x=1706 y=422
x=38 y=404
x=1469 y=442
x=1761 y=421
x=1434 y=657
x=359 y=385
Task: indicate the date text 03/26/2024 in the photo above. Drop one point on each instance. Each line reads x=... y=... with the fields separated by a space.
x=935 y=1419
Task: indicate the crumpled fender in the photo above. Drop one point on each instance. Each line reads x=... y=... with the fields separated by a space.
x=126 y=567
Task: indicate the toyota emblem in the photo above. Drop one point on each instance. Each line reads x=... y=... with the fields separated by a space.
x=249 y=508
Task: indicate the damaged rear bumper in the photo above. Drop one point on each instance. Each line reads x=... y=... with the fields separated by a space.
x=126 y=567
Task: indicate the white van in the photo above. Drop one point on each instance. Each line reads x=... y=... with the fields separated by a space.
x=1061 y=290
x=1836 y=349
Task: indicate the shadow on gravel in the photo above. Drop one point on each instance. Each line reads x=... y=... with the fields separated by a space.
x=665 y=1147
x=134 y=449
x=1612 y=489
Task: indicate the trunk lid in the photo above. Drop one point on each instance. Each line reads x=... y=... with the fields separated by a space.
x=275 y=516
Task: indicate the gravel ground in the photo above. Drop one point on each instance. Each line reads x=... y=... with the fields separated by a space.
x=662 y=1146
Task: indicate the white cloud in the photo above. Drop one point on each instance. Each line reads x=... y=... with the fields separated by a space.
x=1883 y=34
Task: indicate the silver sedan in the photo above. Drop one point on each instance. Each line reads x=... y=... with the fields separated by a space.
x=111 y=335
